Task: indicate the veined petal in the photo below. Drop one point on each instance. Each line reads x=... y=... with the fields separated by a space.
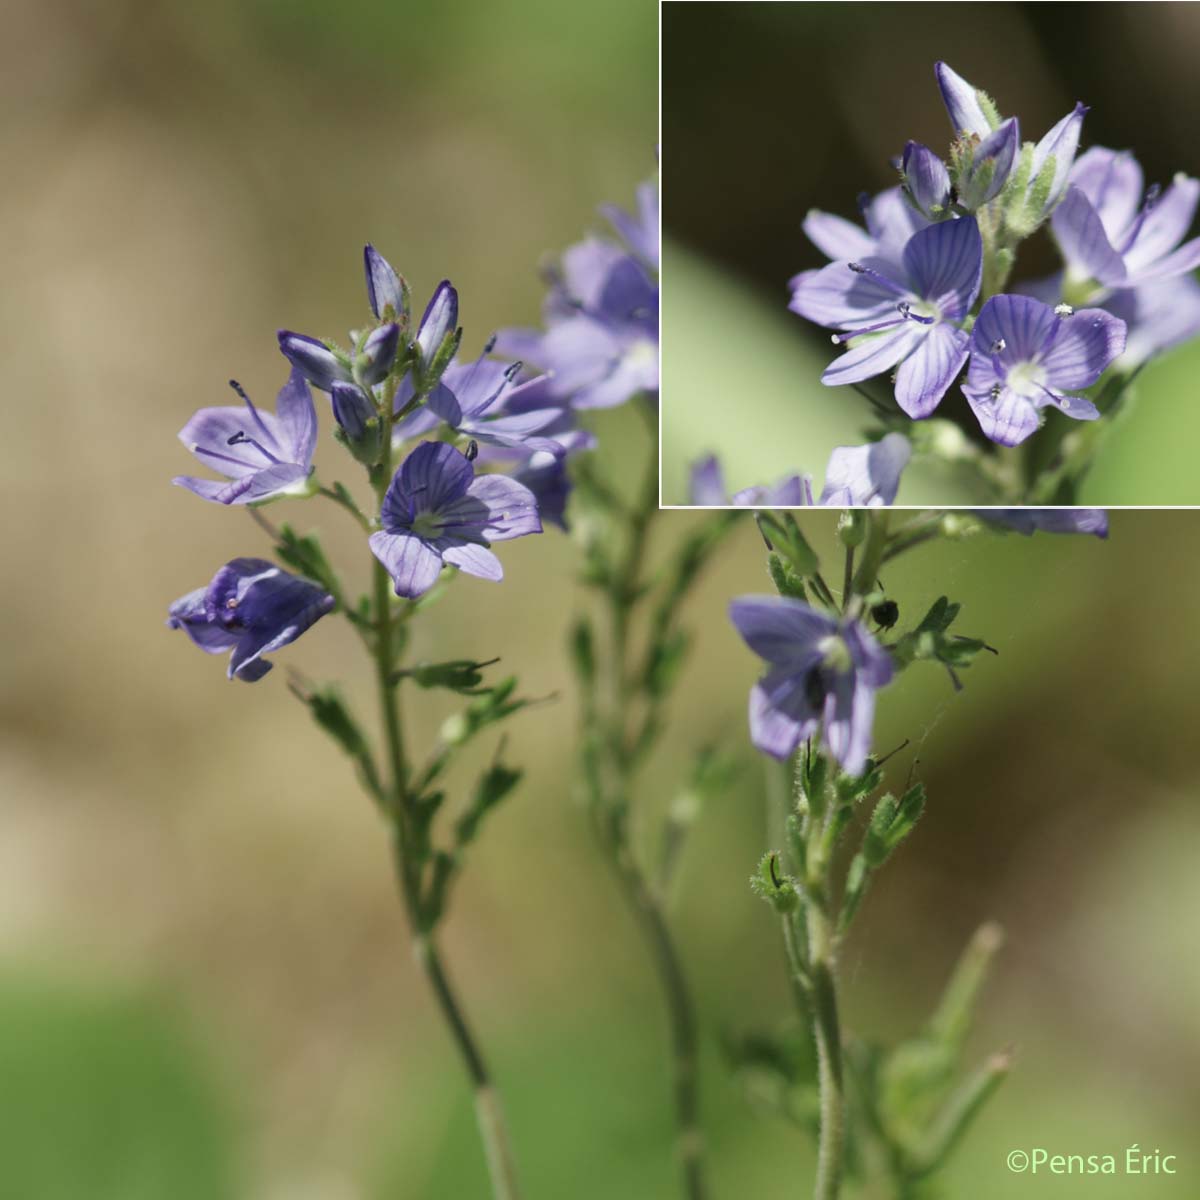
x=793 y=491
x=384 y=286
x=411 y=562
x=475 y=560
x=874 y=355
x=781 y=630
x=296 y=419
x=439 y=321
x=849 y=717
x=1086 y=344
x=924 y=377
x=315 y=361
x=836 y=237
x=1185 y=259
x=1022 y=323
x=962 y=102
x=866 y=475
x=1083 y=240
x=1050 y=520
x=1112 y=182
x=772 y=729
x=502 y=508
x=1062 y=141
x=1157 y=316
x=430 y=479
x=839 y=298
x=892 y=221
x=1164 y=226
x=1008 y=420
x=219 y=437
x=945 y=265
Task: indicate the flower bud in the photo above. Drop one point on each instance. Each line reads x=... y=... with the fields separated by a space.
x=374 y=361
x=359 y=427
x=320 y=365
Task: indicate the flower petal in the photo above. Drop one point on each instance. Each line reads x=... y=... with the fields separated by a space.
x=874 y=355
x=836 y=237
x=1084 y=346
x=297 y=420
x=1084 y=241
x=439 y=321
x=1061 y=142
x=412 y=563
x=1164 y=226
x=962 y=102
x=866 y=475
x=502 y=508
x=475 y=560
x=432 y=477
x=1112 y=182
x=839 y=298
x=1009 y=420
x=773 y=730
x=945 y=265
x=781 y=630
x=707 y=482
x=924 y=377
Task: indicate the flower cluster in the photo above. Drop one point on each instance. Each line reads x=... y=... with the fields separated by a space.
x=462 y=453
x=918 y=290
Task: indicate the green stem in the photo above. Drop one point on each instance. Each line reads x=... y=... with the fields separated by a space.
x=497 y=1150
x=644 y=900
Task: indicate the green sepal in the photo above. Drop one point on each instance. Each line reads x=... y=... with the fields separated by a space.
x=493 y=786
x=772 y=884
x=583 y=651
x=782 y=534
x=462 y=675
x=786 y=581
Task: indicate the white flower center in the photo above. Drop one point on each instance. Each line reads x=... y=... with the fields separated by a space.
x=1026 y=379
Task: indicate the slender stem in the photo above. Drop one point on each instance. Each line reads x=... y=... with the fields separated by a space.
x=497 y=1150
x=821 y=922
x=644 y=900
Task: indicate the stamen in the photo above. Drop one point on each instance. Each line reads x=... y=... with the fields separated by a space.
x=490 y=344
x=241 y=391
x=513 y=371
x=240 y=439
x=905 y=310
x=882 y=280
x=1063 y=310
x=840 y=339
x=472 y=451
x=999 y=346
x=996 y=392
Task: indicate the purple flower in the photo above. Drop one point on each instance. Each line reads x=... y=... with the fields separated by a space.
x=484 y=399
x=973 y=113
x=600 y=346
x=251 y=607
x=1157 y=317
x=857 y=476
x=985 y=172
x=386 y=287
x=640 y=230
x=265 y=455
x=1026 y=355
x=1111 y=236
x=900 y=315
x=1050 y=520
x=890 y=221
x=821 y=673
x=319 y=364
x=926 y=181
x=437 y=510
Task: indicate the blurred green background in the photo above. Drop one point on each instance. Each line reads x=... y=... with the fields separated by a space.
x=204 y=986
x=772 y=109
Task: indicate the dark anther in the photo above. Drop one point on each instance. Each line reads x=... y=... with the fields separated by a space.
x=241 y=391
x=999 y=346
x=513 y=370
x=237 y=439
x=857 y=268
x=472 y=452
x=774 y=877
x=490 y=345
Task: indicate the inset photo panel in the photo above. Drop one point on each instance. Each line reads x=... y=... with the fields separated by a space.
x=918 y=261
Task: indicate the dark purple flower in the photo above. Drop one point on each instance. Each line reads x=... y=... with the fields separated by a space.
x=265 y=455
x=1049 y=520
x=374 y=361
x=386 y=287
x=486 y=400
x=1113 y=237
x=437 y=510
x=901 y=315
x=822 y=673
x=856 y=477
x=251 y=607
x=320 y=365
x=1026 y=356
x=439 y=322
x=926 y=181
